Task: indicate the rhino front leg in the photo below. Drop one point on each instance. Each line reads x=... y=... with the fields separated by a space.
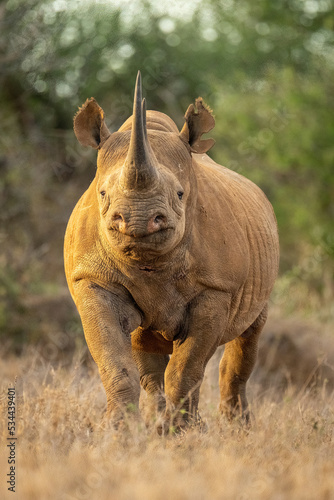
x=206 y=322
x=236 y=367
x=108 y=317
x=182 y=385
x=152 y=371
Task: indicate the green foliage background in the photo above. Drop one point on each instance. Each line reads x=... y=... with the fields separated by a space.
x=267 y=70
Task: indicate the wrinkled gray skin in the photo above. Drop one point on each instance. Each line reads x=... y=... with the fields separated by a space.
x=167 y=256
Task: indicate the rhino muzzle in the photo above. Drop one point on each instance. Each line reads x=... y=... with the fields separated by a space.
x=138 y=228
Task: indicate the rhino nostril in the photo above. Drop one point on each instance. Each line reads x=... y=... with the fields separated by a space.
x=117 y=217
x=117 y=222
x=159 y=219
x=157 y=223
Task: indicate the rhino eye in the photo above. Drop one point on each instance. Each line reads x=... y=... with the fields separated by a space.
x=102 y=193
x=180 y=195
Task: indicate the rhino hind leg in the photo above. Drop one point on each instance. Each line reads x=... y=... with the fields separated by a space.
x=236 y=367
x=152 y=371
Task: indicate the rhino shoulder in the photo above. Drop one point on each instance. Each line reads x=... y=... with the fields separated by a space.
x=237 y=237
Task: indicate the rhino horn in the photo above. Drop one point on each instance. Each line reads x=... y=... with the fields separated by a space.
x=139 y=171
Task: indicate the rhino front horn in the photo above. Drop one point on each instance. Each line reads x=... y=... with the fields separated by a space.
x=139 y=171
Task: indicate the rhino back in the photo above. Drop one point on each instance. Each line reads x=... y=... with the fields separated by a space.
x=236 y=239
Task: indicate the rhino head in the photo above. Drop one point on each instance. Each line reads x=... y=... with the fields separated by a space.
x=145 y=185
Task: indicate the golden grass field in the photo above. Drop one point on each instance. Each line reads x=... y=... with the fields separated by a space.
x=64 y=453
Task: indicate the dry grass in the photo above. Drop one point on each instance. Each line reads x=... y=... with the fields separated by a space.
x=63 y=453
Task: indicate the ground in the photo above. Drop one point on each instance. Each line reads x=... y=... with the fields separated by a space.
x=63 y=452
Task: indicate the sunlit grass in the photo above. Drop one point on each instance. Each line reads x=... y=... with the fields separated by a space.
x=65 y=453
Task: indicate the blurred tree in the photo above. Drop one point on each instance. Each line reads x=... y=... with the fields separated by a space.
x=60 y=52
x=266 y=68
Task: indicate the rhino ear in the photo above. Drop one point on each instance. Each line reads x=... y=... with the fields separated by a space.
x=89 y=125
x=199 y=121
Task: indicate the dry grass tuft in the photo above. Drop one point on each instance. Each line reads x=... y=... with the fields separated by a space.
x=64 y=453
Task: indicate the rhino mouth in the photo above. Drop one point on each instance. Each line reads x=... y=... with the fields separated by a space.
x=133 y=240
x=143 y=235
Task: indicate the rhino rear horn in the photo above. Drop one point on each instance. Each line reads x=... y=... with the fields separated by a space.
x=89 y=126
x=199 y=121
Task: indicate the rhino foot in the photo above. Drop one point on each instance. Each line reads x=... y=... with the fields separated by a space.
x=181 y=422
x=237 y=412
